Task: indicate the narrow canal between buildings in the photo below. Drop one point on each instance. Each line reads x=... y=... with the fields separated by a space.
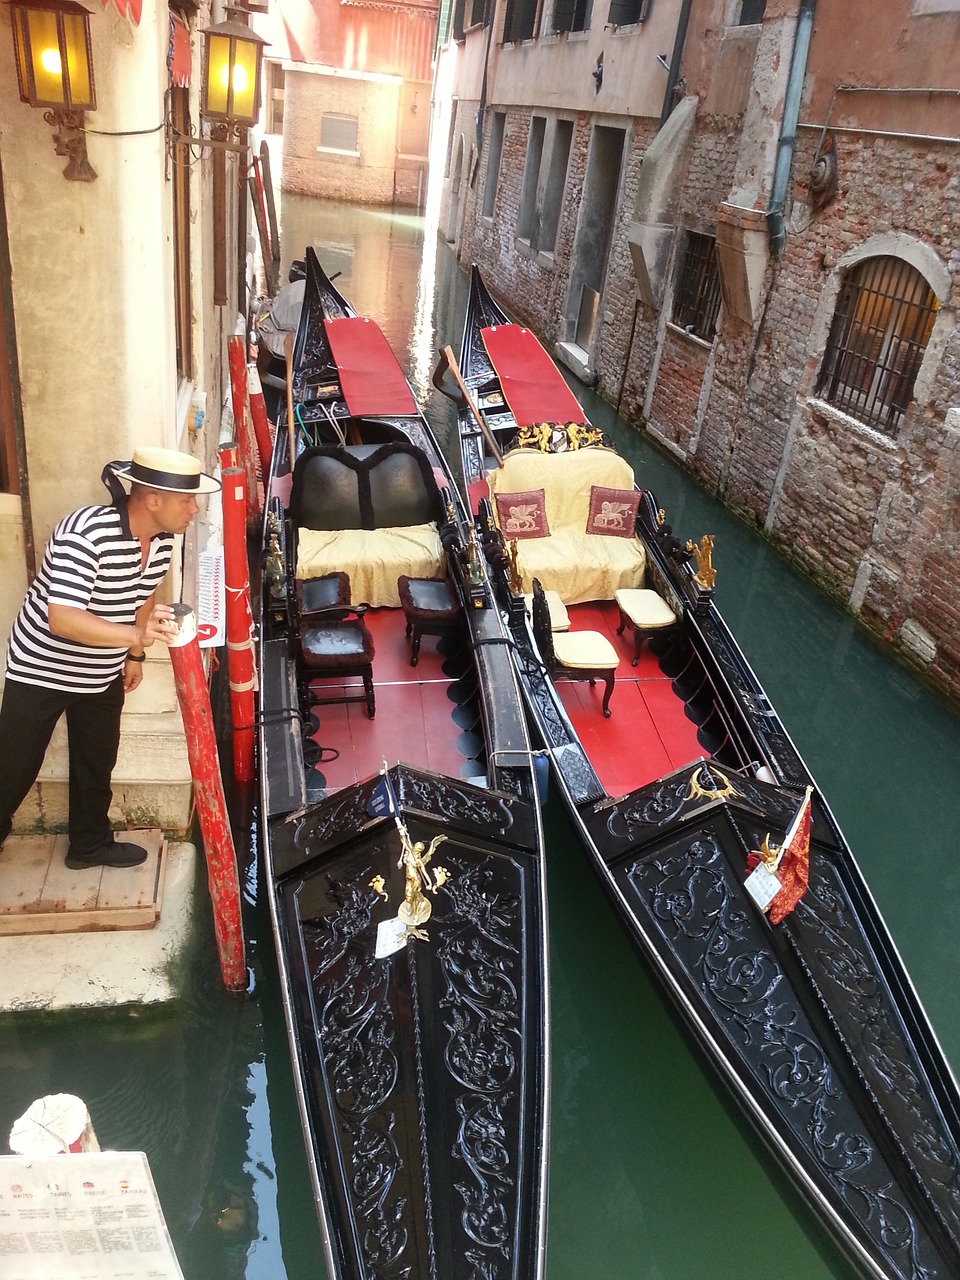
x=653 y=1174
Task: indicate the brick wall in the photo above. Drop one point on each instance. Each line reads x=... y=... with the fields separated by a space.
x=875 y=519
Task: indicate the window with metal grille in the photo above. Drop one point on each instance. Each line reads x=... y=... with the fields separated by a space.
x=624 y=13
x=571 y=15
x=338 y=133
x=880 y=331
x=521 y=20
x=697 y=301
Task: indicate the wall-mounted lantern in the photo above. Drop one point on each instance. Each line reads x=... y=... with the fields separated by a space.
x=51 y=40
x=232 y=62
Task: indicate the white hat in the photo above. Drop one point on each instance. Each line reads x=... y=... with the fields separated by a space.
x=165 y=469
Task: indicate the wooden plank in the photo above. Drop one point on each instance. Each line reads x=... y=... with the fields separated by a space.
x=69 y=891
x=40 y=894
x=23 y=869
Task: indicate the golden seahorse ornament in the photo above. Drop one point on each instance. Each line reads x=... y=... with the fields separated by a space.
x=706 y=575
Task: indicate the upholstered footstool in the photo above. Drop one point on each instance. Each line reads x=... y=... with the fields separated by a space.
x=430 y=608
x=644 y=611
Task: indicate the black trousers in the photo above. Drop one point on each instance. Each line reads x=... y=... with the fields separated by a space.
x=28 y=717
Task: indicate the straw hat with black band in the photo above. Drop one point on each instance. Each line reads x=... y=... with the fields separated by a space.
x=166 y=469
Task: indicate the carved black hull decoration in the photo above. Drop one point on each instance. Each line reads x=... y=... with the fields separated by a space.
x=416 y=1000
x=813 y=1023
x=424 y=1071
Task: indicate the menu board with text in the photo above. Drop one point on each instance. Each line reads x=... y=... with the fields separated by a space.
x=91 y=1216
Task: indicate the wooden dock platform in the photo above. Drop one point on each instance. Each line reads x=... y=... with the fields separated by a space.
x=39 y=894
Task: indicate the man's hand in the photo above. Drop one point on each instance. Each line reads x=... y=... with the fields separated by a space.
x=132 y=675
x=160 y=625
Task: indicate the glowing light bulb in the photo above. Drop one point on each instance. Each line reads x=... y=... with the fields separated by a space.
x=50 y=61
x=240 y=78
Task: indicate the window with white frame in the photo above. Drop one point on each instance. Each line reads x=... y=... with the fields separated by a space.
x=881 y=327
x=338 y=132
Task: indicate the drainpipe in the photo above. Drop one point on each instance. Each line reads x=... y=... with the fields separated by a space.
x=776 y=224
x=673 y=75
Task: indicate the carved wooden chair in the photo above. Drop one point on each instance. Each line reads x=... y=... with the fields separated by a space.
x=573 y=655
x=335 y=644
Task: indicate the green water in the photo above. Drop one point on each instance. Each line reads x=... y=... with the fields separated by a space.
x=653 y=1174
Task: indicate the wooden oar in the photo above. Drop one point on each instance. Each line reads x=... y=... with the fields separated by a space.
x=447 y=356
x=291 y=424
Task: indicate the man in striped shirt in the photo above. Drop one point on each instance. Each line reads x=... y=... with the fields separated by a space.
x=77 y=645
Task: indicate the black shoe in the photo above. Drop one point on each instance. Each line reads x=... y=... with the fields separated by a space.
x=115 y=854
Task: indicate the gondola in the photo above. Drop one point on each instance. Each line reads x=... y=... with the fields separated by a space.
x=400 y=833
x=702 y=820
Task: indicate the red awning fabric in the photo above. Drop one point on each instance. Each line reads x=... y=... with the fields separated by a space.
x=127 y=9
x=531 y=382
x=370 y=377
x=178 y=54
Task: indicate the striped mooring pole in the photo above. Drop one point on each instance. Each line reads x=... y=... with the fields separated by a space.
x=222 y=874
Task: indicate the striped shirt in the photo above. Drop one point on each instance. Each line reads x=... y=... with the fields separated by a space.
x=92 y=562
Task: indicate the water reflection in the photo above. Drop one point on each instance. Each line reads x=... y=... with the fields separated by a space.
x=652 y=1172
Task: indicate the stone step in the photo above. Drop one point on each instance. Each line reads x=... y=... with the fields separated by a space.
x=152 y=785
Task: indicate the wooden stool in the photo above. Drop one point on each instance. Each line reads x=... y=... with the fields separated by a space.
x=430 y=607
x=645 y=612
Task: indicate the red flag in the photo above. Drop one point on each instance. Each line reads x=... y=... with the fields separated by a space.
x=793 y=868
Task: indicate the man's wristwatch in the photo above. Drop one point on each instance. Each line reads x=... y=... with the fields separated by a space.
x=136 y=657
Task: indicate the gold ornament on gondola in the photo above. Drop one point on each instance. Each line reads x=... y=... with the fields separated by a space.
x=706 y=575
x=697 y=791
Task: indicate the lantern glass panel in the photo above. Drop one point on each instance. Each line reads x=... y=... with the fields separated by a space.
x=78 y=65
x=47 y=65
x=245 y=82
x=218 y=76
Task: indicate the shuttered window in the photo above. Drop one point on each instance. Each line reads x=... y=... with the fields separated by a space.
x=881 y=328
x=521 y=20
x=624 y=13
x=571 y=15
x=338 y=133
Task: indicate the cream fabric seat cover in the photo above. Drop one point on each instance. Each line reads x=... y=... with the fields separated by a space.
x=374 y=558
x=645 y=609
x=584 y=650
x=578 y=565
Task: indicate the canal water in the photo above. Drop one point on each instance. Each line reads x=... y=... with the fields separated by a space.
x=653 y=1174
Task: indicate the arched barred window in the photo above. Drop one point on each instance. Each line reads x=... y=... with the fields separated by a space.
x=880 y=331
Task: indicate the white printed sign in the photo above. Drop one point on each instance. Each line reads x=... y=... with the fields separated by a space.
x=762 y=885
x=211 y=605
x=91 y=1216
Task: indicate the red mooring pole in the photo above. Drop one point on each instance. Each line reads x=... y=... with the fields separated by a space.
x=237 y=357
x=261 y=427
x=222 y=875
x=241 y=667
